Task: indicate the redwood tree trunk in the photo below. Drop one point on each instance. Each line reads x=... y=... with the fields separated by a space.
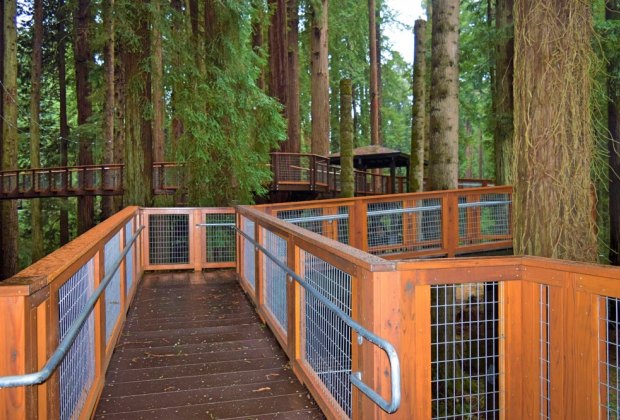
x=8 y=208
x=81 y=22
x=444 y=104
x=38 y=249
x=347 y=180
x=108 y=106
x=320 y=80
x=138 y=173
x=62 y=111
x=553 y=142
x=294 y=121
x=278 y=60
x=613 y=123
x=157 y=80
x=418 y=114
x=503 y=97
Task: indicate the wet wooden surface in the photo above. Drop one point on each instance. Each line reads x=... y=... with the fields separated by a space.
x=193 y=347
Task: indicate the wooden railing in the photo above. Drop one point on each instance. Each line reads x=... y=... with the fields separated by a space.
x=500 y=337
x=88 y=180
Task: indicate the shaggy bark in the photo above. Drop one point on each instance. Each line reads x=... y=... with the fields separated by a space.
x=613 y=123
x=418 y=112
x=157 y=82
x=36 y=214
x=107 y=202
x=294 y=120
x=278 y=60
x=347 y=181
x=444 y=102
x=62 y=113
x=553 y=142
x=503 y=97
x=82 y=56
x=8 y=208
x=374 y=74
x=320 y=80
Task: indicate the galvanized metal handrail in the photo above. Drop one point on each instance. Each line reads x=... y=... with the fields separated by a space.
x=59 y=354
x=387 y=347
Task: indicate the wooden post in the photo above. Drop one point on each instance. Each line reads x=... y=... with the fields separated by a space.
x=196 y=233
x=259 y=278
x=511 y=347
x=293 y=299
x=450 y=223
x=358 y=225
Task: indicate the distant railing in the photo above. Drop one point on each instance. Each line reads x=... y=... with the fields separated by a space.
x=90 y=180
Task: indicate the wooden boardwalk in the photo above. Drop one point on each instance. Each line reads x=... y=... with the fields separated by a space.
x=193 y=347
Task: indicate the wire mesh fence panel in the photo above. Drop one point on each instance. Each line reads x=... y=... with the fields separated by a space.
x=129 y=276
x=404 y=226
x=77 y=370
x=484 y=218
x=275 y=277
x=326 y=338
x=168 y=239
x=293 y=168
x=249 y=263
x=465 y=350
x=331 y=222
x=609 y=357
x=113 y=291
x=220 y=238
x=545 y=364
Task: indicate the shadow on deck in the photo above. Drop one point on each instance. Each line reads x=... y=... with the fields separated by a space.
x=194 y=347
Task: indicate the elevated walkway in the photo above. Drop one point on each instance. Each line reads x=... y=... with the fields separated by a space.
x=193 y=347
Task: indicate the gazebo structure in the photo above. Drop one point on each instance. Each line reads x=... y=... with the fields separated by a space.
x=376 y=157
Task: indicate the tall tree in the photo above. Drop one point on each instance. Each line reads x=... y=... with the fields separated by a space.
x=157 y=82
x=418 y=123
x=138 y=168
x=444 y=101
x=107 y=202
x=346 y=140
x=8 y=208
x=36 y=220
x=294 y=121
x=279 y=59
x=82 y=56
x=612 y=14
x=374 y=74
x=320 y=79
x=553 y=142
x=62 y=114
x=503 y=97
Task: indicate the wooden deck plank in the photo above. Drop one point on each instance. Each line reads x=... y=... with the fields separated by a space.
x=196 y=348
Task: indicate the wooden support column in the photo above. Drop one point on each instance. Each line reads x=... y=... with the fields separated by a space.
x=196 y=239
x=450 y=223
x=358 y=225
x=293 y=303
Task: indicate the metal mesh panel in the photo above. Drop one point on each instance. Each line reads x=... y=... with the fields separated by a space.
x=545 y=374
x=484 y=218
x=77 y=370
x=327 y=346
x=248 y=252
x=168 y=239
x=293 y=168
x=609 y=357
x=275 y=277
x=113 y=291
x=221 y=244
x=397 y=227
x=129 y=258
x=330 y=222
x=465 y=350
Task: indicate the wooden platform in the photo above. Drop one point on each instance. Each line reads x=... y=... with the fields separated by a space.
x=193 y=347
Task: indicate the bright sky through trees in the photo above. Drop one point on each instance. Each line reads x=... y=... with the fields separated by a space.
x=401 y=35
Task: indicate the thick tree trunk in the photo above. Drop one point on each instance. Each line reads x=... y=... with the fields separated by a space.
x=503 y=97
x=379 y=70
x=177 y=128
x=258 y=39
x=81 y=22
x=1 y=119
x=444 y=107
x=294 y=120
x=278 y=60
x=347 y=180
x=8 y=208
x=119 y=116
x=320 y=80
x=418 y=114
x=107 y=202
x=138 y=136
x=62 y=111
x=553 y=140
x=36 y=221
x=374 y=74
x=613 y=123
x=157 y=80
